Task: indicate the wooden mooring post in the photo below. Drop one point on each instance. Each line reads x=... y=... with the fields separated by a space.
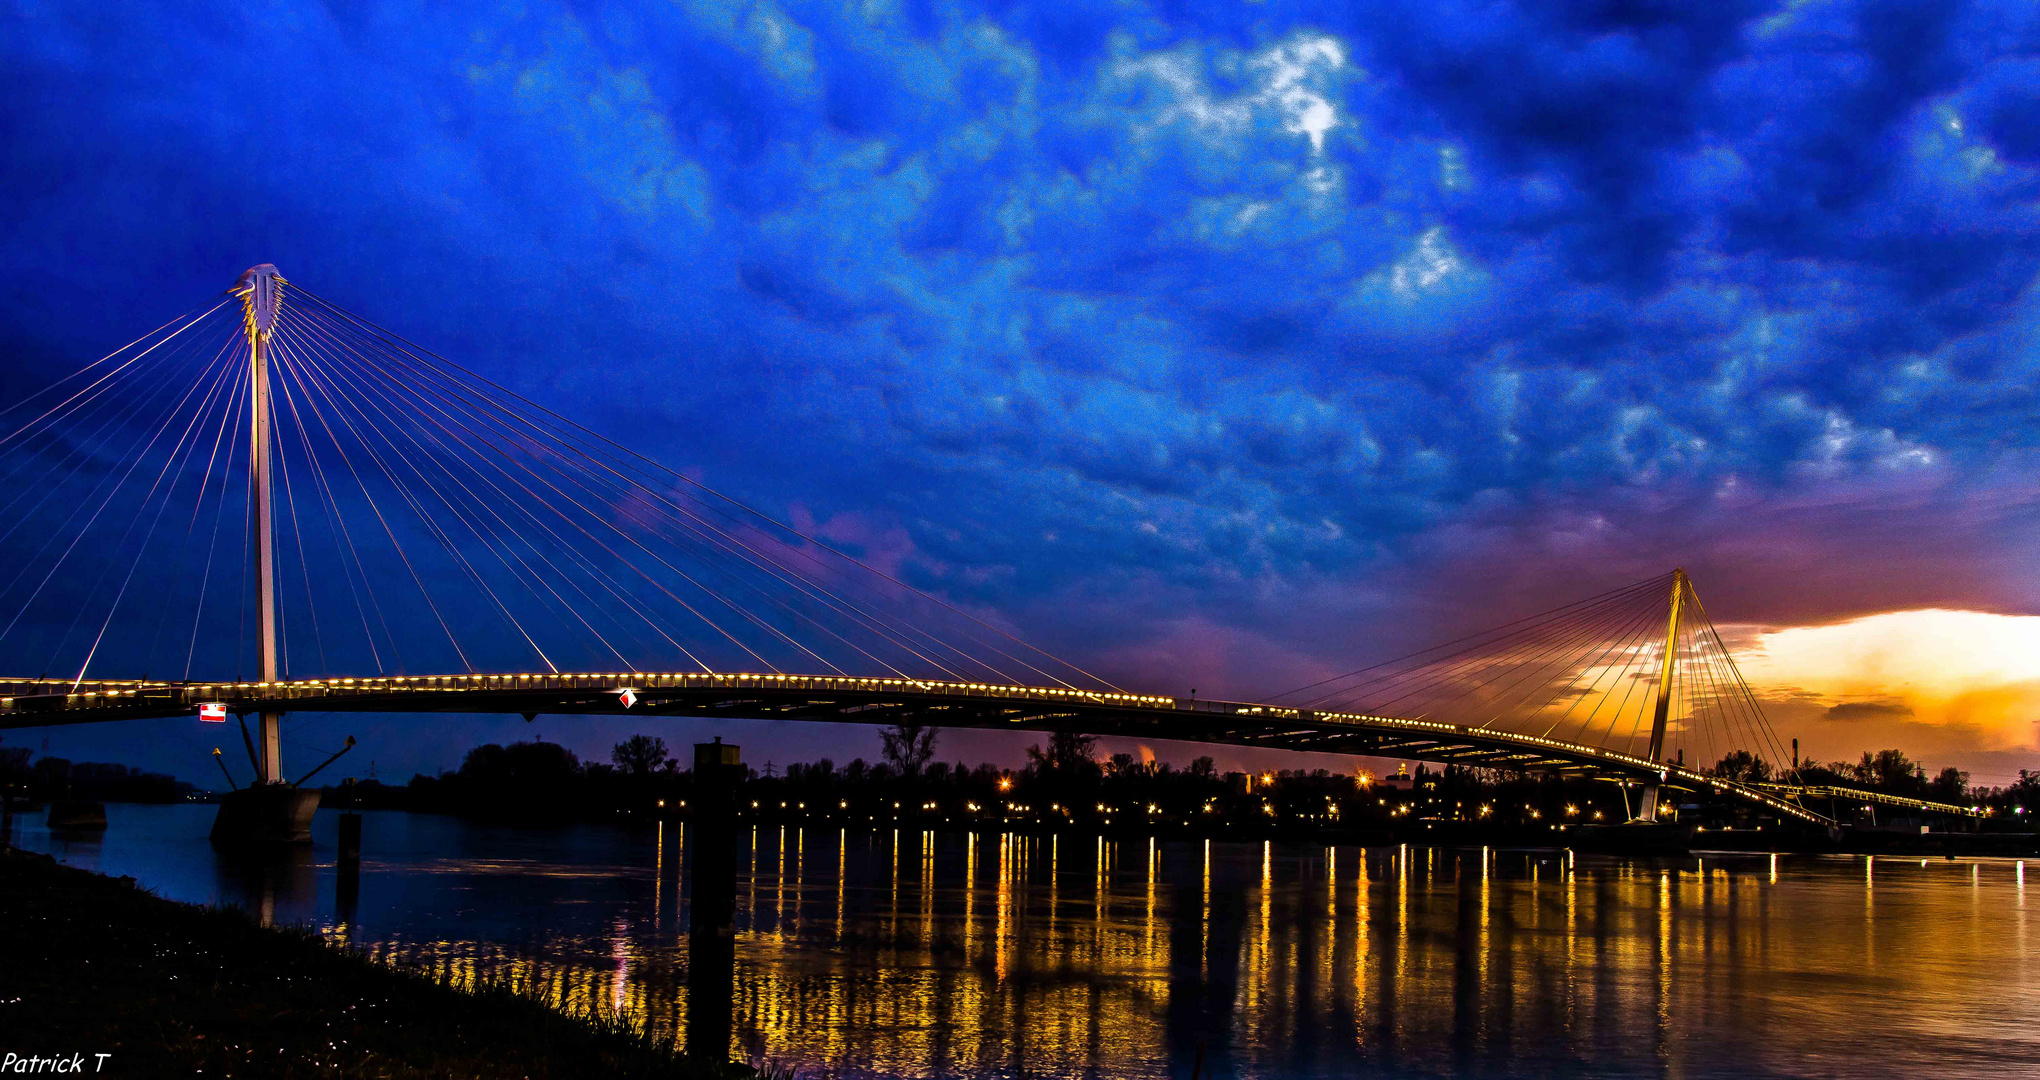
x=712 y=899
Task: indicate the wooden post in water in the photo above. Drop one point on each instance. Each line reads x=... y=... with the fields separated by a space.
x=347 y=875
x=350 y=829
x=712 y=900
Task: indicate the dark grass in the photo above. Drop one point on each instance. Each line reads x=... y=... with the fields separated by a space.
x=92 y=964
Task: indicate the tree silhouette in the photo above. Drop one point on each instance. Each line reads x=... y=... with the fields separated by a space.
x=639 y=754
x=1743 y=766
x=908 y=747
x=1068 y=753
x=1951 y=786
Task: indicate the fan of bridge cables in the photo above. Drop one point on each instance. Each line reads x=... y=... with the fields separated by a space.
x=1588 y=673
x=426 y=520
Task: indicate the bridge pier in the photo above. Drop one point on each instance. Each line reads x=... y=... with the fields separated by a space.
x=264 y=815
x=1647 y=806
x=712 y=900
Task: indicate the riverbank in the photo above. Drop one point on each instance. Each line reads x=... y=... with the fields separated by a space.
x=96 y=965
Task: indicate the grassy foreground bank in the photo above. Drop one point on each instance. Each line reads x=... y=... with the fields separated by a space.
x=93 y=965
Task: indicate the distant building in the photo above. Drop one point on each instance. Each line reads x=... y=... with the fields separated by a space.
x=1400 y=780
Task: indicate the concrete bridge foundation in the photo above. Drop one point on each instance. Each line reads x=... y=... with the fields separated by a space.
x=265 y=815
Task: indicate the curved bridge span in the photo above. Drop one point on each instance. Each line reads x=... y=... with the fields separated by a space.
x=481 y=515
x=838 y=699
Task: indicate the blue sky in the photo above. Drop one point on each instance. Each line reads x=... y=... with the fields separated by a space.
x=1214 y=345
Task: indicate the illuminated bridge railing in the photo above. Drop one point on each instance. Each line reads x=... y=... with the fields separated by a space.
x=18 y=694
x=1857 y=795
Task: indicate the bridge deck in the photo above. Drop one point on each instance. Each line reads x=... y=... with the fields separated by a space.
x=1857 y=795
x=38 y=702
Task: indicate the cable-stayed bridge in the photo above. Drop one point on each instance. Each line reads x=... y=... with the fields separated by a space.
x=272 y=506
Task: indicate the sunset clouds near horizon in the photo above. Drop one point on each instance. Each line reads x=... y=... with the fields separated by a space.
x=1952 y=687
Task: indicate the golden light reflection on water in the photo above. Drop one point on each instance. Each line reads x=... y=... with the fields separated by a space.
x=905 y=954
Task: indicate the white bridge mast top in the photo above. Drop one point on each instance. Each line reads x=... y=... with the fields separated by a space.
x=261 y=293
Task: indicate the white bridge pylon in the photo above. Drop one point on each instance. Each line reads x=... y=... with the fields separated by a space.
x=261 y=293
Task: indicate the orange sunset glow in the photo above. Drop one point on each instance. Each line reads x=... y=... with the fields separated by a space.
x=1962 y=687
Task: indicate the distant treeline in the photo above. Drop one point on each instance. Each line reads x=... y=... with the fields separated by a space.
x=1894 y=773
x=1065 y=781
x=24 y=775
x=536 y=781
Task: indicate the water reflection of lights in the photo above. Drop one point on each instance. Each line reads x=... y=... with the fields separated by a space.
x=923 y=953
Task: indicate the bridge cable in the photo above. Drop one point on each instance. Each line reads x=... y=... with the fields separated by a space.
x=81 y=447
x=1576 y=654
x=313 y=381
x=178 y=456
x=388 y=531
x=1386 y=690
x=1615 y=645
x=600 y=577
x=240 y=401
x=1464 y=674
x=695 y=582
x=107 y=564
x=343 y=539
x=1635 y=668
x=85 y=449
x=1568 y=652
x=728 y=545
x=795 y=583
x=564 y=605
x=698 y=585
x=229 y=409
x=297 y=533
x=1467 y=638
x=656 y=584
x=195 y=320
x=749 y=555
x=1452 y=668
x=752 y=617
x=445 y=538
x=654 y=626
x=1583 y=658
x=1745 y=697
x=374 y=330
x=152 y=439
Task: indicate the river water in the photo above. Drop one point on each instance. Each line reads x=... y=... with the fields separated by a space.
x=939 y=954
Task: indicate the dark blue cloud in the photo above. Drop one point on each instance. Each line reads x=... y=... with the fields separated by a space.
x=1283 y=315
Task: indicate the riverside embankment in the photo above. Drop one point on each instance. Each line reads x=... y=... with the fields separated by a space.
x=99 y=966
